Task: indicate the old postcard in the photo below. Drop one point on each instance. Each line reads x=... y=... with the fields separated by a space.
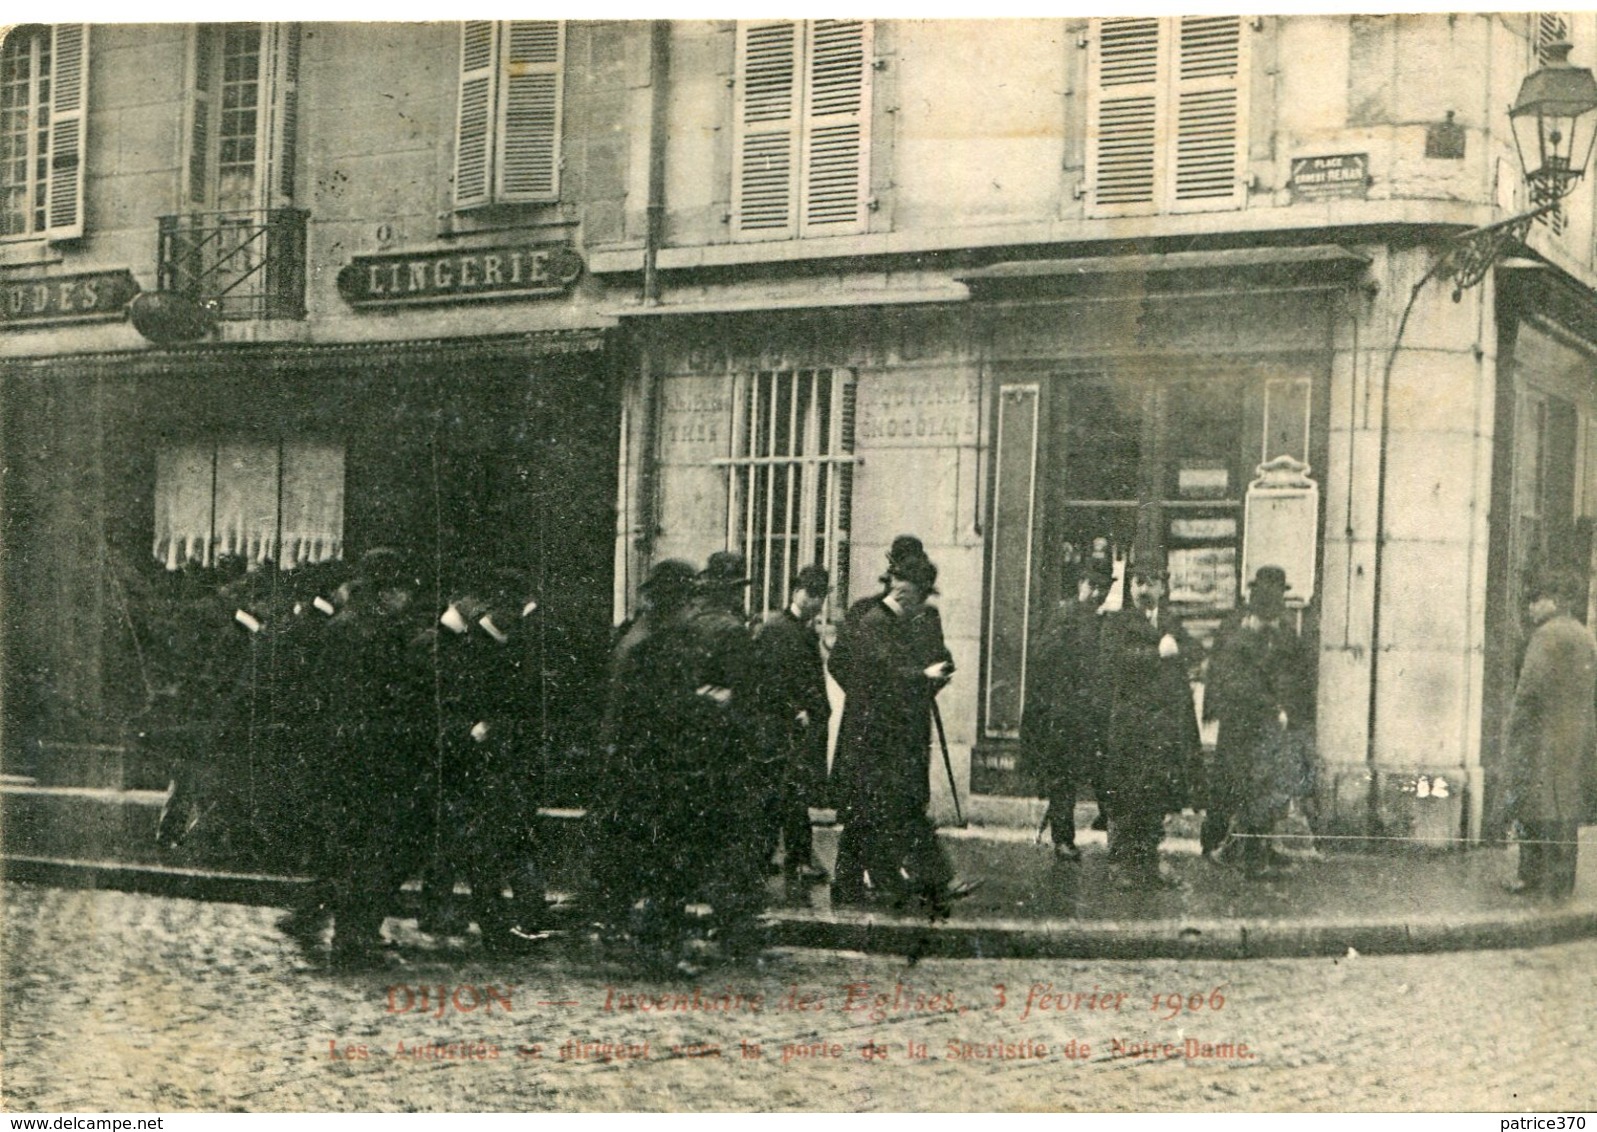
x=880 y=564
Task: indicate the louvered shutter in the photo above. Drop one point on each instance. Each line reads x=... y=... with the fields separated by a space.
x=836 y=133
x=280 y=97
x=1208 y=140
x=1125 y=93
x=1548 y=28
x=766 y=144
x=528 y=150
x=69 y=96
x=199 y=155
x=1009 y=570
x=479 y=54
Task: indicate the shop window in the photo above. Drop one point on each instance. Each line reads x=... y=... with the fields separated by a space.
x=790 y=487
x=1109 y=464
x=44 y=74
x=507 y=138
x=802 y=117
x=243 y=116
x=260 y=501
x=1167 y=111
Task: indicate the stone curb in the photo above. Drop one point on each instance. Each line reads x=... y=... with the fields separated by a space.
x=952 y=938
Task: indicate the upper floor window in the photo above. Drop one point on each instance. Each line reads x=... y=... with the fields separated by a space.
x=243 y=116
x=1167 y=111
x=43 y=91
x=507 y=142
x=802 y=118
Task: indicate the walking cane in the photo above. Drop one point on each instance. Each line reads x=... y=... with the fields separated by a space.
x=948 y=764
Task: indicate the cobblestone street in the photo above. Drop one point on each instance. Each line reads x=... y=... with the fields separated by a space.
x=116 y=1001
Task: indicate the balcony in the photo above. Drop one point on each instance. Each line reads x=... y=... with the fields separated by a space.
x=242 y=265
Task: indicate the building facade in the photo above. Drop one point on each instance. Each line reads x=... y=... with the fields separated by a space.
x=794 y=288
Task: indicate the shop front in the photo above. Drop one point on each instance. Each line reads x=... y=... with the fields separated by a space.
x=127 y=471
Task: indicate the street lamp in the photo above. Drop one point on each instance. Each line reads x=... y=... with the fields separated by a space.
x=1554 y=126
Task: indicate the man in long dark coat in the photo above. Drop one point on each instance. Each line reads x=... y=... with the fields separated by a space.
x=1260 y=687
x=632 y=811
x=1063 y=730
x=1153 y=730
x=890 y=661
x=1551 y=731
x=794 y=709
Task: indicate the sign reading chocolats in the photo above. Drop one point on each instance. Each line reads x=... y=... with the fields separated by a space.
x=516 y=271
x=65 y=298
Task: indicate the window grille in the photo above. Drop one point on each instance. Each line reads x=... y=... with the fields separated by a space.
x=790 y=480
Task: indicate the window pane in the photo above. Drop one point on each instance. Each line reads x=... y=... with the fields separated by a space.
x=1103 y=439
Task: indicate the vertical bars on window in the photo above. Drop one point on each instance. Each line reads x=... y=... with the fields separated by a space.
x=788 y=478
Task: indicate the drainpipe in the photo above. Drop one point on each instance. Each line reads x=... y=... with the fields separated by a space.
x=654 y=206
x=654 y=234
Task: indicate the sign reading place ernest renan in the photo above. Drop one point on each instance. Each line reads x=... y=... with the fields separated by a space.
x=457 y=275
x=65 y=298
x=1337 y=175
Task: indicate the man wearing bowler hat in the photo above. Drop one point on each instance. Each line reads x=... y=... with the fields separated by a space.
x=1261 y=690
x=1551 y=732
x=794 y=711
x=1153 y=731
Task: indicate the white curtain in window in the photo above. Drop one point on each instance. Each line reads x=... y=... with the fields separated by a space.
x=246 y=500
x=183 y=504
x=313 y=503
x=239 y=497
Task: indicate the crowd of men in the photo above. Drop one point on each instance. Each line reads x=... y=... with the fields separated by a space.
x=386 y=740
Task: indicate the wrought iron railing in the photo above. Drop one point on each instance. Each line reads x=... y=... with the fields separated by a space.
x=248 y=264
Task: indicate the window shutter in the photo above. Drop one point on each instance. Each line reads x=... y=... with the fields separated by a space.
x=765 y=169
x=836 y=182
x=528 y=158
x=1009 y=573
x=478 y=58
x=1124 y=95
x=1208 y=139
x=200 y=114
x=69 y=95
x=1548 y=28
x=280 y=76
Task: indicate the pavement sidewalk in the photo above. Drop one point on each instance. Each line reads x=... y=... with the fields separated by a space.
x=1385 y=897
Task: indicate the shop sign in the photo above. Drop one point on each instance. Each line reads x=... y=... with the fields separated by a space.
x=1281 y=523
x=65 y=298
x=514 y=271
x=1339 y=175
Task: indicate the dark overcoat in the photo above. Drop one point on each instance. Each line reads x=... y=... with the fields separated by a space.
x=791 y=682
x=1153 y=730
x=884 y=740
x=1066 y=703
x=1257 y=672
x=1552 y=725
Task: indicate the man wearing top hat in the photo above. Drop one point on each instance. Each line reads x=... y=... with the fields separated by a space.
x=1260 y=688
x=1062 y=731
x=890 y=661
x=792 y=703
x=1153 y=731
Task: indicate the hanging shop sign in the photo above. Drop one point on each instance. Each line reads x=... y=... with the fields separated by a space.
x=1280 y=523
x=65 y=298
x=1338 y=175
x=515 y=271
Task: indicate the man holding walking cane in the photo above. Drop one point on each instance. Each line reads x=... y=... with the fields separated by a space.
x=891 y=662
